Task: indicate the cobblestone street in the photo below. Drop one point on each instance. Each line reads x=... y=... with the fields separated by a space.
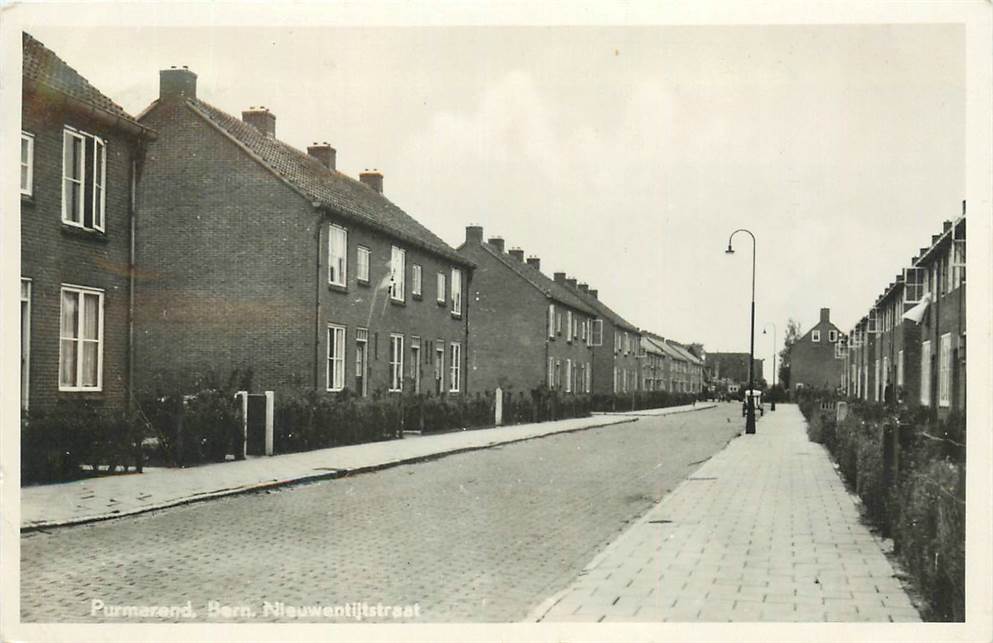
x=480 y=536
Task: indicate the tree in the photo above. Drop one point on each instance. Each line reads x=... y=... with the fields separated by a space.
x=793 y=333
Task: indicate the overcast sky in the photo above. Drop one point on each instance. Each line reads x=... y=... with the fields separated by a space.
x=622 y=156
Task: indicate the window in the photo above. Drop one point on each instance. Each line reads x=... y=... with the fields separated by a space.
x=551 y=321
x=945 y=370
x=337 y=259
x=361 y=361
x=396 y=363
x=815 y=335
x=441 y=288
x=589 y=377
x=585 y=331
x=558 y=322
x=899 y=368
x=958 y=258
x=886 y=376
x=872 y=324
x=455 y=368
x=456 y=291
x=926 y=373
x=81 y=339
x=84 y=167
x=913 y=285
x=596 y=332
x=363 y=264
x=568 y=326
x=615 y=379
x=27 y=164
x=415 y=280
x=568 y=375
x=551 y=372
x=398 y=272
x=415 y=362
x=558 y=373
x=25 y=341
x=336 y=358
x=439 y=366
x=832 y=336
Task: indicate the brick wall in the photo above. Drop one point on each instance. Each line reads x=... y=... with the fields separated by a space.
x=813 y=364
x=53 y=253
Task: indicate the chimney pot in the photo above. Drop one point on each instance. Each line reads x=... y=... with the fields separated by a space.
x=559 y=277
x=374 y=179
x=474 y=234
x=584 y=288
x=594 y=293
x=323 y=153
x=177 y=83
x=496 y=242
x=534 y=262
x=261 y=119
x=571 y=282
x=517 y=253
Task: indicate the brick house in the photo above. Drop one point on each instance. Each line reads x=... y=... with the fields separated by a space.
x=615 y=359
x=895 y=362
x=861 y=347
x=79 y=152
x=527 y=330
x=814 y=360
x=654 y=368
x=940 y=271
x=691 y=367
x=732 y=368
x=256 y=255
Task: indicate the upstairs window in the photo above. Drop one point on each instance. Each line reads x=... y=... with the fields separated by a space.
x=27 y=164
x=456 y=291
x=362 y=268
x=415 y=280
x=568 y=326
x=337 y=255
x=441 y=288
x=958 y=256
x=398 y=273
x=84 y=168
x=914 y=280
x=551 y=321
x=815 y=336
x=596 y=332
x=832 y=336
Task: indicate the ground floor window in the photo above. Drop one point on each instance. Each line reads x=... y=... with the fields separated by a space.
x=81 y=339
x=945 y=370
x=396 y=363
x=926 y=373
x=335 y=374
x=455 y=368
x=899 y=368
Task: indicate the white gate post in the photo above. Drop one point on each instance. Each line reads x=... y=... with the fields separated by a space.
x=270 y=403
x=244 y=422
x=498 y=419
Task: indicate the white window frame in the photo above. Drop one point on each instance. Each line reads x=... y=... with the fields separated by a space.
x=439 y=365
x=440 y=281
x=26 y=342
x=589 y=377
x=958 y=260
x=415 y=362
x=416 y=279
x=914 y=285
x=815 y=336
x=363 y=257
x=945 y=370
x=551 y=372
x=596 y=332
x=80 y=291
x=396 y=363
x=926 y=372
x=97 y=205
x=568 y=375
x=899 y=368
x=568 y=325
x=334 y=371
x=832 y=336
x=398 y=273
x=456 y=285
x=551 y=321
x=337 y=261
x=455 y=368
x=27 y=165
x=362 y=359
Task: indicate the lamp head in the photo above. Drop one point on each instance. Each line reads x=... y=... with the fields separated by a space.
x=730 y=250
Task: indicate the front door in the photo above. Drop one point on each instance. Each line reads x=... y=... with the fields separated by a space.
x=362 y=362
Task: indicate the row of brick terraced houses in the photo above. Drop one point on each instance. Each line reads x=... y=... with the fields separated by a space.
x=186 y=240
x=909 y=348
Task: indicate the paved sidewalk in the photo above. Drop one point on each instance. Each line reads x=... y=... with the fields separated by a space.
x=121 y=495
x=764 y=531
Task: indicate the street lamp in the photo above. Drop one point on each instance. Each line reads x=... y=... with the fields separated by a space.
x=772 y=402
x=749 y=400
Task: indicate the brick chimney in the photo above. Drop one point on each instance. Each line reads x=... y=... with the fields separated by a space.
x=373 y=178
x=584 y=288
x=517 y=253
x=261 y=119
x=571 y=282
x=323 y=153
x=559 y=278
x=594 y=293
x=474 y=234
x=945 y=225
x=496 y=242
x=534 y=262
x=177 y=83
x=825 y=315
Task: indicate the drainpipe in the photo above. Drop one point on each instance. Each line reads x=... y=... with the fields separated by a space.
x=139 y=151
x=317 y=298
x=465 y=311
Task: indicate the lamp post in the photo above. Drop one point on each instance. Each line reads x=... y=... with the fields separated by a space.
x=772 y=402
x=749 y=401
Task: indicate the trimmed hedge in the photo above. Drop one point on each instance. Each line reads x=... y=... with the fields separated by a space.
x=58 y=443
x=908 y=468
x=639 y=400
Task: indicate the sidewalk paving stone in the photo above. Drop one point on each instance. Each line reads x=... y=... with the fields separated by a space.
x=757 y=533
x=52 y=505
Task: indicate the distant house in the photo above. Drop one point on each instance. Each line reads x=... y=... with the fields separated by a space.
x=527 y=330
x=654 y=367
x=691 y=368
x=256 y=255
x=674 y=367
x=79 y=154
x=732 y=368
x=615 y=358
x=814 y=360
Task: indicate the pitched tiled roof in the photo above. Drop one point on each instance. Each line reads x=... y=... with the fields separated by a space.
x=605 y=311
x=537 y=279
x=330 y=188
x=42 y=66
